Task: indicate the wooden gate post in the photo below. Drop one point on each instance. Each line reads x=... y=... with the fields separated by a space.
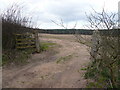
x=37 y=42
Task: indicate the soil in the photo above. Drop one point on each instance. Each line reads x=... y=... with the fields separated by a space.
x=58 y=67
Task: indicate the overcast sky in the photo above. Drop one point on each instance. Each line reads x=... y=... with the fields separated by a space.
x=70 y=11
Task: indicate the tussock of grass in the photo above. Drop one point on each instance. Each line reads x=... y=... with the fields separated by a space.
x=84 y=69
x=63 y=59
x=46 y=45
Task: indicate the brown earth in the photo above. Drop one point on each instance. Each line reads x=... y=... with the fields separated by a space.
x=58 y=67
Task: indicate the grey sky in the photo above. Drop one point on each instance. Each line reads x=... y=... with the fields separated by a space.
x=71 y=11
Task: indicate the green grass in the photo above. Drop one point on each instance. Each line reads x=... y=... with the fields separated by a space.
x=99 y=83
x=84 y=69
x=101 y=77
x=63 y=59
x=46 y=45
x=94 y=85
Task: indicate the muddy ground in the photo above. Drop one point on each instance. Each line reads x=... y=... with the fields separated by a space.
x=58 y=67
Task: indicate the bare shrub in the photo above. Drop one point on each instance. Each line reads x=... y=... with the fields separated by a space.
x=104 y=51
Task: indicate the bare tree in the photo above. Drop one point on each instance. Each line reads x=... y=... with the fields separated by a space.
x=102 y=20
x=63 y=25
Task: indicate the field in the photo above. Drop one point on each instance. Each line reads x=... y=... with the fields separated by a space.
x=60 y=66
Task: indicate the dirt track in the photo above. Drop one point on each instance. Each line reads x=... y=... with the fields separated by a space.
x=45 y=72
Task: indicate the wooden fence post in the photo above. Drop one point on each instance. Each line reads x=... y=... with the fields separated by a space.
x=37 y=42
